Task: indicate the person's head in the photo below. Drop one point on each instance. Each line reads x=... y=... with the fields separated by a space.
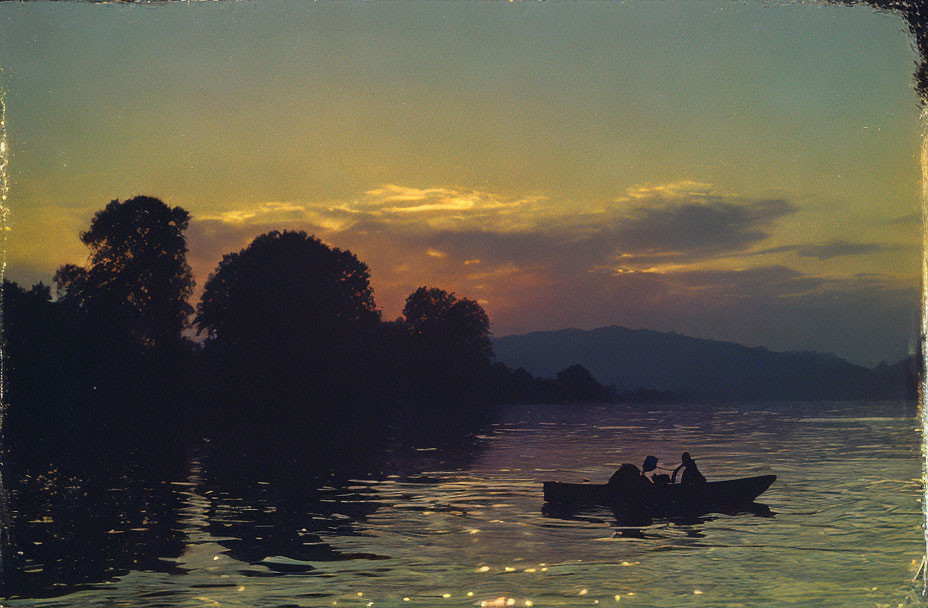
x=686 y=458
x=650 y=463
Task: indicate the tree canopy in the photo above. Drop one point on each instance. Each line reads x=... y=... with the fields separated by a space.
x=282 y=285
x=137 y=278
x=437 y=317
x=448 y=348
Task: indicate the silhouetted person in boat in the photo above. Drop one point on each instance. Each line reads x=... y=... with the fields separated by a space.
x=691 y=474
x=636 y=490
x=628 y=476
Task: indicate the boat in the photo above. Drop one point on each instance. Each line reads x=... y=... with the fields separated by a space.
x=656 y=498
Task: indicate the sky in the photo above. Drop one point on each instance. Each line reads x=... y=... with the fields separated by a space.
x=736 y=171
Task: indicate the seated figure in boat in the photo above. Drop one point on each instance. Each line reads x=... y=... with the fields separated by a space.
x=636 y=489
x=628 y=476
x=691 y=474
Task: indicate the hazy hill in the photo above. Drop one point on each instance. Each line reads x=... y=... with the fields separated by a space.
x=700 y=369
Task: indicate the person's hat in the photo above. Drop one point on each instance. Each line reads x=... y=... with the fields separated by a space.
x=650 y=463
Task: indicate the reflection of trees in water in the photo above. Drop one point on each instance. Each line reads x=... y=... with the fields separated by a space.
x=271 y=513
x=71 y=530
x=261 y=510
x=408 y=455
x=67 y=532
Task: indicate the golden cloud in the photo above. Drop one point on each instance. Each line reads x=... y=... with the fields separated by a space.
x=414 y=209
x=685 y=189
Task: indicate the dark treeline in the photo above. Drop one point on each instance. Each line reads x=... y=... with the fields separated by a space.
x=294 y=364
x=91 y=374
x=574 y=384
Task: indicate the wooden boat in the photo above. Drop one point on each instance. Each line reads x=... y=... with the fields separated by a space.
x=662 y=498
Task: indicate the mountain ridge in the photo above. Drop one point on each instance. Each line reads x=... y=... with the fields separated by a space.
x=701 y=368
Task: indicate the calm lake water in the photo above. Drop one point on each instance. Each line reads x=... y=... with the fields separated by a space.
x=465 y=527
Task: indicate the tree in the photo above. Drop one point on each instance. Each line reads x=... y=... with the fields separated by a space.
x=138 y=280
x=448 y=348
x=577 y=385
x=460 y=325
x=286 y=286
x=290 y=325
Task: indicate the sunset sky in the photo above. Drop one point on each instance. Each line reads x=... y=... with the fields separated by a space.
x=724 y=170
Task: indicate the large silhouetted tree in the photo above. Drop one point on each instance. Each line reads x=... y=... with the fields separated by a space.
x=137 y=280
x=290 y=323
x=448 y=351
x=286 y=285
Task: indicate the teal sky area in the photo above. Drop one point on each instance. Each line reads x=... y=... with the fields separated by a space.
x=738 y=171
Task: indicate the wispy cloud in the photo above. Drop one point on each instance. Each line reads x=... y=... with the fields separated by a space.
x=682 y=190
x=910 y=218
x=688 y=220
x=828 y=251
x=412 y=209
x=442 y=230
x=284 y=214
x=449 y=208
x=685 y=219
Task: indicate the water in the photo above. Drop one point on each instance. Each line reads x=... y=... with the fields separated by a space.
x=466 y=528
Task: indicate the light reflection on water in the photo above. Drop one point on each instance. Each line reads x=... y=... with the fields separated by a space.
x=460 y=530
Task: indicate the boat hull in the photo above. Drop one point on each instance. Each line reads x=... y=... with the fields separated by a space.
x=711 y=496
